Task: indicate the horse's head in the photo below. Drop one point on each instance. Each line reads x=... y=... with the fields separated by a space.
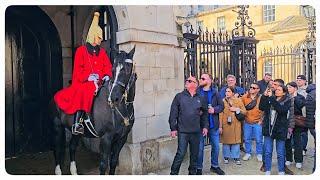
x=123 y=76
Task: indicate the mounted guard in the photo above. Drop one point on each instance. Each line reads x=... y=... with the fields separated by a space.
x=91 y=67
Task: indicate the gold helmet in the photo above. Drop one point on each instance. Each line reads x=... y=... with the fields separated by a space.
x=94 y=30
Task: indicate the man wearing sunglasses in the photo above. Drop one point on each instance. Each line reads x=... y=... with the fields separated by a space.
x=188 y=120
x=215 y=106
x=253 y=119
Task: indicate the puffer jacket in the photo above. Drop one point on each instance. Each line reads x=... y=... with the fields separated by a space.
x=310 y=106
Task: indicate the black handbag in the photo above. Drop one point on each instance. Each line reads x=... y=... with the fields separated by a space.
x=240 y=116
x=252 y=104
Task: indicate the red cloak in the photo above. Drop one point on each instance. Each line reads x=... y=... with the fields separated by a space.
x=79 y=95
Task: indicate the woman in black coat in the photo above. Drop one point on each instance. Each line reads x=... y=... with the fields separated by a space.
x=275 y=125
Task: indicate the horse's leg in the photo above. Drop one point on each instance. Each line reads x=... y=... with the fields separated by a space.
x=105 y=150
x=115 y=151
x=72 y=152
x=59 y=145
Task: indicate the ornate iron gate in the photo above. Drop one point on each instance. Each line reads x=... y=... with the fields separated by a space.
x=220 y=54
x=288 y=62
x=208 y=52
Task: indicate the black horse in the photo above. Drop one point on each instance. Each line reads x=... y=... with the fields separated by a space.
x=112 y=116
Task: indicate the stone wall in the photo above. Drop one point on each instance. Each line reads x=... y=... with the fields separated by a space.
x=159 y=65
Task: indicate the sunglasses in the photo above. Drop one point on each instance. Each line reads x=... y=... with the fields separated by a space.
x=190 y=81
x=203 y=79
x=253 y=88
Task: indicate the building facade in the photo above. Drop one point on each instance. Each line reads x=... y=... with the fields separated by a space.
x=278 y=27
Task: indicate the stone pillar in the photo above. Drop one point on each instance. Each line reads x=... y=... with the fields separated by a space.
x=159 y=66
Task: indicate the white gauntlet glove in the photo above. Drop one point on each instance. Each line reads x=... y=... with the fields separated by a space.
x=93 y=77
x=106 y=78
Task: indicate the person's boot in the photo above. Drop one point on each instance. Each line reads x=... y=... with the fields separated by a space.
x=199 y=172
x=287 y=170
x=77 y=127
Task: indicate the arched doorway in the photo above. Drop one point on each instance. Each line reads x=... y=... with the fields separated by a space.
x=33 y=71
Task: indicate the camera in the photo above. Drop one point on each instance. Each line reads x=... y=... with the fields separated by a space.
x=229 y=119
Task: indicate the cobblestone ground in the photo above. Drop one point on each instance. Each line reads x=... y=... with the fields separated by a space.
x=43 y=163
x=252 y=166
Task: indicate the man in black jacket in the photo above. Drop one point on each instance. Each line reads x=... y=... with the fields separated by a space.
x=263 y=84
x=188 y=120
x=215 y=106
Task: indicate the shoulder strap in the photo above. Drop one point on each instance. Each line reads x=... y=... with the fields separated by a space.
x=228 y=102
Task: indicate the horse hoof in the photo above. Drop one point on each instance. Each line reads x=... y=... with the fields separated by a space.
x=58 y=171
x=73 y=168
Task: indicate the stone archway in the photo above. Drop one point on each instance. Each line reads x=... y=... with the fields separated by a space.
x=33 y=70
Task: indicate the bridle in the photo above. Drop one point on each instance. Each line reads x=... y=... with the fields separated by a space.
x=124 y=96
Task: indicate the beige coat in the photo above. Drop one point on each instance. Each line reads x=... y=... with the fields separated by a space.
x=231 y=133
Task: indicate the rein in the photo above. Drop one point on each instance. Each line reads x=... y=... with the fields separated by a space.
x=124 y=96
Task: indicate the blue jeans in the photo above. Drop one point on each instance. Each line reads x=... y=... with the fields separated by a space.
x=280 y=145
x=214 y=142
x=185 y=139
x=231 y=150
x=252 y=131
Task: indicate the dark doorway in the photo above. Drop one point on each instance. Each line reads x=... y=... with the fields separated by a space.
x=33 y=73
x=108 y=23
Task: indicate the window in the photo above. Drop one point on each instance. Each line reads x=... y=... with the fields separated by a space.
x=200 y=8
x=221 y=23
x=200 y=24
x=268 y=66
x=218 y=6
x=104 y=24
x=269 y=13
x=307 y=11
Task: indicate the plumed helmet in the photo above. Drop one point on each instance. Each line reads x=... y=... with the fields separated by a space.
x=94 y=29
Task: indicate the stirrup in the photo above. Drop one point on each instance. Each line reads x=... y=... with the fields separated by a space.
x=77 y=129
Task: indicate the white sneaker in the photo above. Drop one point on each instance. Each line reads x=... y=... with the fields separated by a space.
x=281 y=173
x=259 y=157
x=304 y=152
x=268 y=172
x=288 y=163
x=246 y=157
x=226 y=160
x=299 y=165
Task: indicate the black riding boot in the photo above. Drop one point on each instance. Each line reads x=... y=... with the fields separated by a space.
x=77 y=127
